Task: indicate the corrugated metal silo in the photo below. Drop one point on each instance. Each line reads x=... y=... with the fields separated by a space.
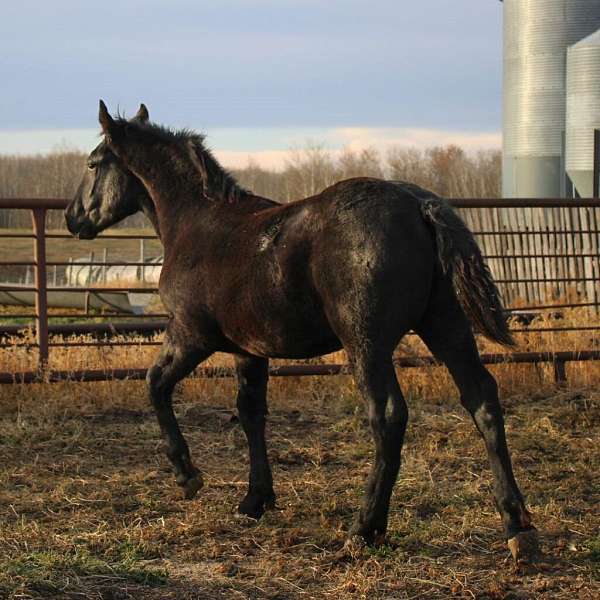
x=583 y=111
x=536 y=36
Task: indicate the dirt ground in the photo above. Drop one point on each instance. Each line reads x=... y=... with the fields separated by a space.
x=89 y=508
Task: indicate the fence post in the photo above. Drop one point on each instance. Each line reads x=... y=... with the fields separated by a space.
x=88 y=277
x=596 y=182
x=142 y=270
x=560 y=372
x=104 y=260
x=38 y=218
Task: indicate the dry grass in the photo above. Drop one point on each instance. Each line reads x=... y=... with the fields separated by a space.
x=62 y=249
x=89 y=509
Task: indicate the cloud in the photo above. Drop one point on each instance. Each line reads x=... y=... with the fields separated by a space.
x=382 y=138
x=336 y=140
x=266 y=159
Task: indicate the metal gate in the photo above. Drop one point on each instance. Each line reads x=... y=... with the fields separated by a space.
x=544 y=254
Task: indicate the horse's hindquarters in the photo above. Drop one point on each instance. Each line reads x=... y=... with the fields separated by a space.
x=376 y=278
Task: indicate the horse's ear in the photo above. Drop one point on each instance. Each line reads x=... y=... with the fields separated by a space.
x=142 y=114
x=106 y=121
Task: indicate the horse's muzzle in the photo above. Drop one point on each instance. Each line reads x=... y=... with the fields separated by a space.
x=80 y=228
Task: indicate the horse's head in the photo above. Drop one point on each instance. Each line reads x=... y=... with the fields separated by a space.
x=108 y=191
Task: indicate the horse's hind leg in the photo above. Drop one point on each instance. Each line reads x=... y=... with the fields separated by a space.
x=252 y=373
x=376 y=379
x=448 y=335
x=174 y=362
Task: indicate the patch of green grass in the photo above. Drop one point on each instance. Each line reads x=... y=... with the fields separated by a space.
x=384 y=551
x=52 y=572
x=417 y=537
x=593 y=555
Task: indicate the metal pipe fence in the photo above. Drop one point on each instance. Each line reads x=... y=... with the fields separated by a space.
x=544 y=254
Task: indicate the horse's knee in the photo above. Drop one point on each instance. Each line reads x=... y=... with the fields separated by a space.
x=153 y=380
x=158 y=386
x=252 y=415
x=152 y=377
x=377 y=424
x=252 y=412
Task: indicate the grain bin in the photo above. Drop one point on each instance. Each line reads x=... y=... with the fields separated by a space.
x=583 y=111
x=537 y=34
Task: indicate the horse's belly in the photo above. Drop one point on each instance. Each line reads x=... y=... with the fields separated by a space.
x=303 y=349
x=285 y=338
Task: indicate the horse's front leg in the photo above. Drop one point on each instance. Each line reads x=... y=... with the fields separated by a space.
x=174 y=362
x=253 y=374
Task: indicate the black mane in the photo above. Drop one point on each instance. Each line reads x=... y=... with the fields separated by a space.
x=218 y=182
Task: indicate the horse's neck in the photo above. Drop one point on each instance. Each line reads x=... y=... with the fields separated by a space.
x=179 y=193
x=172 y=214
x=150 y=211
x=175 y=193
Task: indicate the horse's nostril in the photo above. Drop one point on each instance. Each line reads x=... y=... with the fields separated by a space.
x=71 y=224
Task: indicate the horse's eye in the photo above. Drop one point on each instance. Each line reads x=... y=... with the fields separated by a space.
x=91 y=166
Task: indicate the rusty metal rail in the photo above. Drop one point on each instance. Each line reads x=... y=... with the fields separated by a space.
x=557 y=359
x=554 y=245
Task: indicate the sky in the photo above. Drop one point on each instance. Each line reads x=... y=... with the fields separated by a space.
x=257 y=76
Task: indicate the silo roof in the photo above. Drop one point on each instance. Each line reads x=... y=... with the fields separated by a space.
x=591 y=40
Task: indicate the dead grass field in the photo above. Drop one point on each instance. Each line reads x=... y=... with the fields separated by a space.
x=21 y=249
x=89 y=508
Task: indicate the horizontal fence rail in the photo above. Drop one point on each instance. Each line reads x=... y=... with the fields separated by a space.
x=558 y=359
x=543 y=253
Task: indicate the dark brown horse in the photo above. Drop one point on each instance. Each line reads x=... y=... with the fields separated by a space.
x=355 y=267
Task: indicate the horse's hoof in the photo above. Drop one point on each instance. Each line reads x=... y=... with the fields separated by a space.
x=252 y=506
x=352 y=549
x=524 y=546
x=369 y=536
x=243 y=519
x=192 y=485
x=270 y=503
x=254 y=514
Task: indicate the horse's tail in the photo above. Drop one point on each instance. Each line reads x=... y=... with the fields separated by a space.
x=461 y=259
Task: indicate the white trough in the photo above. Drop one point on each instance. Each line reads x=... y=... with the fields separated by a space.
x=76 y=274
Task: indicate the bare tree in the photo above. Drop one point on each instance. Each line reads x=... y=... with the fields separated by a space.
x=446 y=170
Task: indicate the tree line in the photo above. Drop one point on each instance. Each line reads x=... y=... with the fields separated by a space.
x=448 y=171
